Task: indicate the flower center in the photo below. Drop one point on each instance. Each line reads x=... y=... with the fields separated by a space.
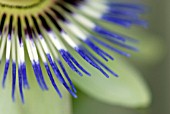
x=20 y=3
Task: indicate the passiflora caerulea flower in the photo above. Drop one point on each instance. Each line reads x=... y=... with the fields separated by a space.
x=45 y=30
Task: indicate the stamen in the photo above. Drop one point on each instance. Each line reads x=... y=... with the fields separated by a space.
x=21 y=56
x=13 y=80
x=99 y=51
x=42 y=55
x=52 y=80
x=13 y=68
x=8 y=49
x=111 y=48
x=4 y=38
x=82 y=52
x=20 y=81
x=34 y=58
x=102 y=64
x=2 y=23
x=107 y=33
x=66 y=75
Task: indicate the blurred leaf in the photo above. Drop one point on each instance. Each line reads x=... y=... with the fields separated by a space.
x=128 y=90
x=151 y=50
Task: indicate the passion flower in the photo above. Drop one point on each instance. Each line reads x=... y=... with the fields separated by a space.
x=45 y=29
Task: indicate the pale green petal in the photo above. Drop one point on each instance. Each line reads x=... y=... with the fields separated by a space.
x=87 y=105
x=128 y=90
x=36 y=101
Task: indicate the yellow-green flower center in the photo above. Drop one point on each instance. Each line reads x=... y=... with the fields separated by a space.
x=22 y=8
x=19 y=3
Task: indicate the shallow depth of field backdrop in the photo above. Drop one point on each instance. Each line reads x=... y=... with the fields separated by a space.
x=157 y=74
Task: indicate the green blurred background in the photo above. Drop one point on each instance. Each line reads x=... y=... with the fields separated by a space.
x=156 y=74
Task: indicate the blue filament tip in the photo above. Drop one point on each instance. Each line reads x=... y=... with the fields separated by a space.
x=107 y=33
x=5 y=72
x=20 y=81
x=83 y=52
x=98 y=50
x=25 y=80
x=13 y=80
x=41 y=76
x=66 y=75
x=52 y=79
x=36 y=72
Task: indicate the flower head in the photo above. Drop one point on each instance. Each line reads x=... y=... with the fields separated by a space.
x=48 y=29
